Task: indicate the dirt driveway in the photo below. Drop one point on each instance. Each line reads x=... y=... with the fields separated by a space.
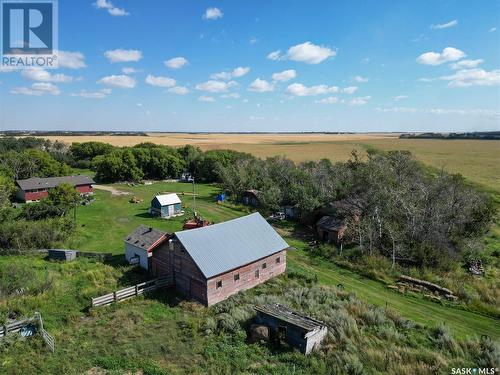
x=114 y=191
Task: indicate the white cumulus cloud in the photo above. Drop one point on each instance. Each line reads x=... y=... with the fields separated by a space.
x=42 y=75
x=101 y=94
x=309 y=53
x=329 y=100
x=298 y=89
x=176 y=62
x=129 y=70
x=213 y=14
x=37 y=89
x=71 y=60
x=160 y=81
x=123 y=55
x=114 y=11
x=446 y=25
x=235 y=73
x=118 y=81
x=179 y=90
x=466 y=64
x=399 y=97
x=362 y=100
x=349 y=90
x=204 y=98
x=285 y=75
x=473 y=77
x=260 y=85
x=215 y=86
x=435 y=58
x=360 y=79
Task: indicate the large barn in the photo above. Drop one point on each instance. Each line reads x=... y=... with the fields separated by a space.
x=36 y=188
x=211 y=263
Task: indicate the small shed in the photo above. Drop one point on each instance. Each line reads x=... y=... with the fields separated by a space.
x=331 y=229
x=298 y=330
x=140 y=243
x=291 y=212
x=166 y=206
x=250 y=197
x=62 y=255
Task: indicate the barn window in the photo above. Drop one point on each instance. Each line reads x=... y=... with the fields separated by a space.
x=236 y=277
x=264 y=266
x=219 y=284
x=257 y=274
x=278 y=260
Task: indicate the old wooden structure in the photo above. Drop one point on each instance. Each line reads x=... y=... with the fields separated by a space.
x=250 y=197
x=298 y=330
x=211 y=263
x=36 y=188
x=166 y=206
x=139 y=245
x=62 y=255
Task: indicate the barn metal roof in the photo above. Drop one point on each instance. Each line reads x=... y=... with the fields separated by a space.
x=51 y=182
x=146 y=238
x=222 y=247
x=168 y=199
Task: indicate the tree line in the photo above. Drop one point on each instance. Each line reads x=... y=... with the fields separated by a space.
x=403 y=209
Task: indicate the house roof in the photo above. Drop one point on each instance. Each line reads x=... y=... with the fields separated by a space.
x=285 y=314
x=330 y=223
x=51 y=182
x=222 y=247
x=146 y=238
x=167 y=199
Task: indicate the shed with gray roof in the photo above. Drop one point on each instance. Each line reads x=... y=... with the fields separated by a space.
x=141 y=242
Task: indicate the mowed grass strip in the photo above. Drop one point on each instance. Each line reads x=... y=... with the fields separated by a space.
x=462 y=323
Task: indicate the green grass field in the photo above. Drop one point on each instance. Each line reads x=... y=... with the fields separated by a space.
x=104 y=224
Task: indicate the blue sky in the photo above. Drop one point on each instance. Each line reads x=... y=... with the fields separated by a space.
x=255 y=65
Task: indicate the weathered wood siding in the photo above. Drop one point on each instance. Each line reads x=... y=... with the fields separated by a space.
x=247 y=277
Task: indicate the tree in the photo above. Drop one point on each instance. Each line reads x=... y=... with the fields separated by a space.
x=64 y=195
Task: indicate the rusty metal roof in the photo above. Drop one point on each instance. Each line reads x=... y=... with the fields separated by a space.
x=222 y=247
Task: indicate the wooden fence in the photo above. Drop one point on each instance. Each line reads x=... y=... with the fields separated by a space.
x=130 y=292
x=17 y=326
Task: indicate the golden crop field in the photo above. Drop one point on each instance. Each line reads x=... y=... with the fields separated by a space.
x=477 y=160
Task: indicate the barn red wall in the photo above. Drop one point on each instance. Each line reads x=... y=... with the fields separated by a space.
x=34 y=196
x=84 y=189
x=247 y=277
x=37 y=195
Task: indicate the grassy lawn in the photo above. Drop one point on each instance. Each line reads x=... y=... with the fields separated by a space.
x=462 y=323
x=104 y=224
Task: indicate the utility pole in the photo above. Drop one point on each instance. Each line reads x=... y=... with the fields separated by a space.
x=194 y=199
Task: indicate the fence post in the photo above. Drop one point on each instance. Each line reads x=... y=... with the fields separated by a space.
x=114 y=296
x=136 y=290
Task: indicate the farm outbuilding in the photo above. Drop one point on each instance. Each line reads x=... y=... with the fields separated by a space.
x=331 y=229
x=211 y=263
x=36 y=188
x=250 y=197
x=166 y=206
x=298 y=330
x=140 y=244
